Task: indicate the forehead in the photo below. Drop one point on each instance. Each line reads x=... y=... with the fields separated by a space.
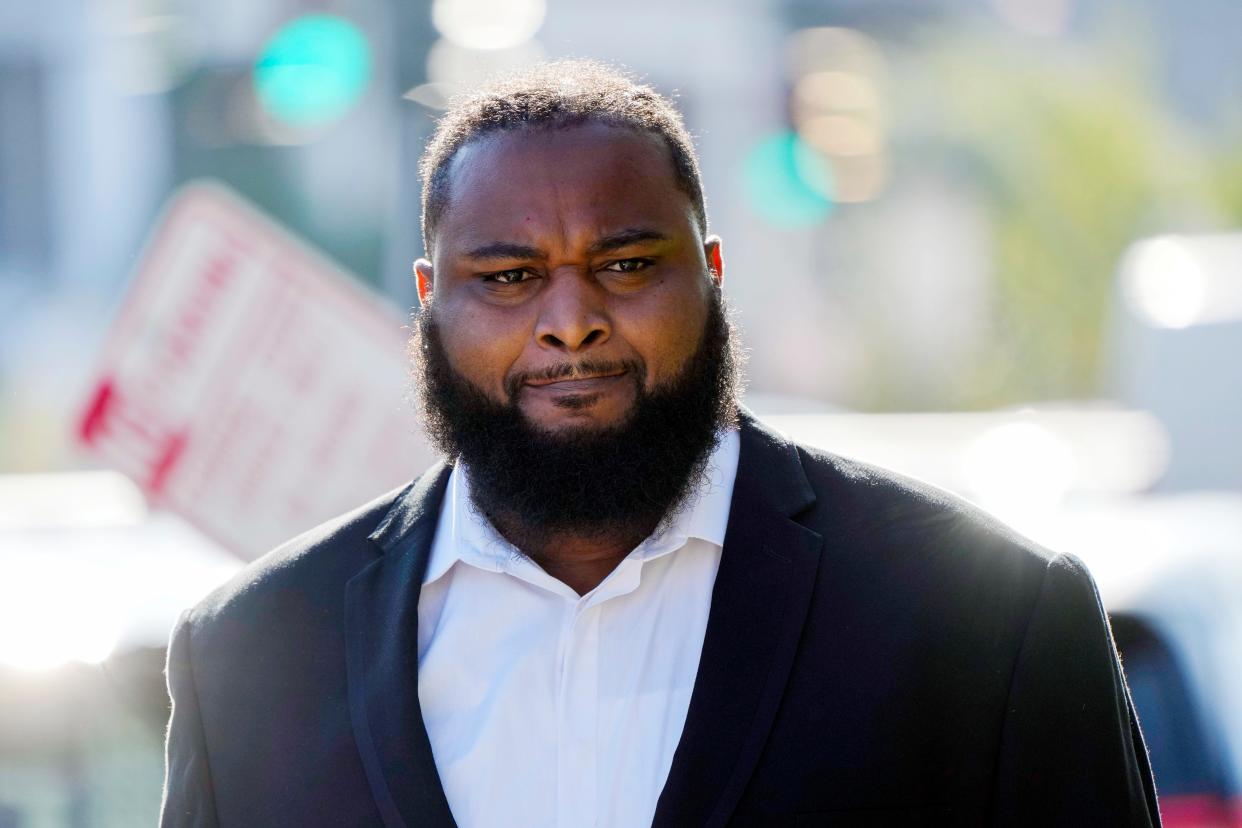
x=578 y=181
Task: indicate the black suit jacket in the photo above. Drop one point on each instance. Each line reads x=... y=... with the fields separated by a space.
x=877 y=653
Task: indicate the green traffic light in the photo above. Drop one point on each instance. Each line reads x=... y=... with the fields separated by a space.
x=313 y=70
x=787 y=182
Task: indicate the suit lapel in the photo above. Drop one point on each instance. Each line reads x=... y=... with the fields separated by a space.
x=381 y=640
x=759 y=604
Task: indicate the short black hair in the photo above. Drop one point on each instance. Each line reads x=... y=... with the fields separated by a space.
x=553 y=95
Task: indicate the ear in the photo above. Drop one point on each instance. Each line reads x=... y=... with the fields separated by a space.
x=715 y=258
x=423 y=274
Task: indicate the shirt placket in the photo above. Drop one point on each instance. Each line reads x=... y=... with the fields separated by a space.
x=577 y=712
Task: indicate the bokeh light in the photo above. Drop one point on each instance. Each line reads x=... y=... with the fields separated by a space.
x=1165 y=283
x=313 y=70
x=843 y=90
x=838 y=135
x=49 y=617
x=488 y=24
x=1019 y=469
x=787 y=183
x=837 y=107
x=1179 y=281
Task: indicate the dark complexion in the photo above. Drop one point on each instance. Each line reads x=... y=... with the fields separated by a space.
x=600 y=483
x=569 y=277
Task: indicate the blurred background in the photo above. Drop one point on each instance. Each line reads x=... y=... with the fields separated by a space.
x=995 y=244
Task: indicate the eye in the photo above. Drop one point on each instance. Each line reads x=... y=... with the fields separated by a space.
x=628 y=265
x=508 y=277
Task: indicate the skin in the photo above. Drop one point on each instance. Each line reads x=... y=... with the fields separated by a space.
x=563 y=257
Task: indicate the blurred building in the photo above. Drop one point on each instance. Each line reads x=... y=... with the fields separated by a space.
x=842 y=162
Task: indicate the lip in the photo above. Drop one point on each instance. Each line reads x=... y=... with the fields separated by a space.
x=575 y=385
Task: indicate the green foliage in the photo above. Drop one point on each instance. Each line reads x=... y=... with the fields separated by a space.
x=1075 y=158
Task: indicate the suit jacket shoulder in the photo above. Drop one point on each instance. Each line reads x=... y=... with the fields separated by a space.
x=922 y=544
x=949 y=671
x=881 y=497
x=258 y=678
x=330 y=551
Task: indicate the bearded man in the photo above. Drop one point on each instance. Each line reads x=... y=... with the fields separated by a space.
x=621 y=600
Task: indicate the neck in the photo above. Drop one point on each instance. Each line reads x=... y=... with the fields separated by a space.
x=579 y=560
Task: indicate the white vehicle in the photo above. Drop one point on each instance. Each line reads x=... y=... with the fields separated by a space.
x=1170 y=573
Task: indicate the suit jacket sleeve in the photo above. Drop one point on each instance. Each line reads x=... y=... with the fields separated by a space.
x=1071 y=751
x=189 y=799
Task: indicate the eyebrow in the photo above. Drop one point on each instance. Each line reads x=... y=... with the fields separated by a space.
x=607 y=244
x=504 y=250
x=625 y=238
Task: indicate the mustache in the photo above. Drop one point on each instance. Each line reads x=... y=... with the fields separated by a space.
x=570 y=370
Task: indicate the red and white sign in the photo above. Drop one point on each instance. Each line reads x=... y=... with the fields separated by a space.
x=248 y=383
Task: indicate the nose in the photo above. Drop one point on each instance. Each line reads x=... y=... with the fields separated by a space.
x=573 y=313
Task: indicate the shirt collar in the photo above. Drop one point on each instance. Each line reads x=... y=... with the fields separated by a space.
x=463 y=534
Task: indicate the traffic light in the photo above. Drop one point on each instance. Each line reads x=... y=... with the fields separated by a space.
x=788 y=183
x=838 y=109
x=312 y=70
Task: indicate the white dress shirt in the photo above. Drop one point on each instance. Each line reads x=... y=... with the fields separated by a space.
x=546 y=708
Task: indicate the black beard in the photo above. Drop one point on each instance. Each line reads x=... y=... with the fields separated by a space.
x=615 y=482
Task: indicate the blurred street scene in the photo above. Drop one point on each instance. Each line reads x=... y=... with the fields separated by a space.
x=993 y=244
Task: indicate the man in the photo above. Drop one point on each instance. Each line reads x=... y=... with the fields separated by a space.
x=621 y=600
